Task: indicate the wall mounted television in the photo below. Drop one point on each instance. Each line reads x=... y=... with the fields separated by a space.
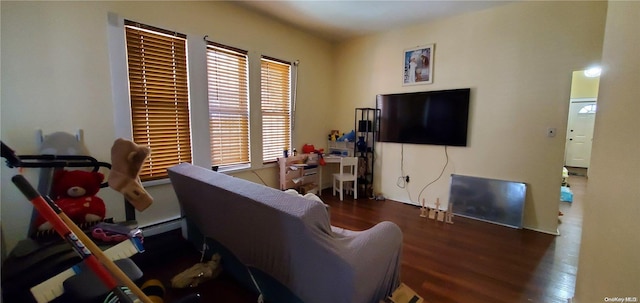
x=430 y=117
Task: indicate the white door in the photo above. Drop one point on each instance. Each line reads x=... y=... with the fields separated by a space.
x=580 y=133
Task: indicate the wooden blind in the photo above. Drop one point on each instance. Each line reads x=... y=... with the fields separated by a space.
x=159 y=97
x=276 y=108
x=227 y=73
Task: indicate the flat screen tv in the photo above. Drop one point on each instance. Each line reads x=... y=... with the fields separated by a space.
x=432 y=117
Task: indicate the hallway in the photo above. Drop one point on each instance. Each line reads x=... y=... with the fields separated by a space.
x=570 y=228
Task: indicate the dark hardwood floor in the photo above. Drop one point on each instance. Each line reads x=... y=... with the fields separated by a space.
x=468 y=261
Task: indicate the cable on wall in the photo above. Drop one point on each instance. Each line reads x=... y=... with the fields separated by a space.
x=401 y=183
x=255 y=173
x=439 y=176
x=403 y=179
x=294 y=92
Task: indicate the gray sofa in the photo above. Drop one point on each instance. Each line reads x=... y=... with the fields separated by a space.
x=289 y=239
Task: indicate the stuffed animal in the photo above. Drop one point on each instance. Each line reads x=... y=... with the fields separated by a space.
x=198 y=273
x=75 y=193
x=308 y=148
x=126 y=162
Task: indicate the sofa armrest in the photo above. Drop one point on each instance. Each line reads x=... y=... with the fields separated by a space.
x=374 y=254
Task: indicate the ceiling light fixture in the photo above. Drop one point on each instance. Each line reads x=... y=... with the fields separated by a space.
x=593 y=72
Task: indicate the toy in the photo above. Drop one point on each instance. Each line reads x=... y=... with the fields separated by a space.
x=74 y=192
x=334 y=135
x=126 y=162
x=350 y=137
x=321 y=160
x=436 y=213
x=110 y=232
x=404 y=294
x=308 y=148
x=198 y=273
x=154 y=289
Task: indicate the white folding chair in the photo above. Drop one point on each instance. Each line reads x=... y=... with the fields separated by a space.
x=348 y=173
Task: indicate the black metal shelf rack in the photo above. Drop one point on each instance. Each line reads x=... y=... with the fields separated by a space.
x=367 y=129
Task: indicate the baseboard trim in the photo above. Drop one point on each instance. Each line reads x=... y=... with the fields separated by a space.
x=557 y=233
x=162 y=227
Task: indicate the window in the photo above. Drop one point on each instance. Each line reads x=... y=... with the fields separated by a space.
x=276 y=107
x=157 y=65
x=227 y=73
x=588 y=109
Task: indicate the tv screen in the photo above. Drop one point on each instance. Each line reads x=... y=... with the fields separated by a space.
x=433 y=117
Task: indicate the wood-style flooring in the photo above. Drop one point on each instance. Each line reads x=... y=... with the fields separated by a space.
x=468 y=261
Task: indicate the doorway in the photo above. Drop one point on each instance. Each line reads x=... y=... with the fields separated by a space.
x=582 y=115
x=582 y=111
x=580 y=122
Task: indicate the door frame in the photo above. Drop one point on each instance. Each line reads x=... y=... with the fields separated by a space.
x=571 y=101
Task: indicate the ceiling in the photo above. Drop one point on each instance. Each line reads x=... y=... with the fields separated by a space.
x=341 y=20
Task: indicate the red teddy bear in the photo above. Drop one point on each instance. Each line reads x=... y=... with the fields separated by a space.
x=74 y=192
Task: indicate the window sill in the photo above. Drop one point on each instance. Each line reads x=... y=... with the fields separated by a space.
x=225 y=170
x=245 y=168
x=152 y=183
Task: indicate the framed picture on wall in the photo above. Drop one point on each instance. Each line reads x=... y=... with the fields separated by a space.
x=418 y=65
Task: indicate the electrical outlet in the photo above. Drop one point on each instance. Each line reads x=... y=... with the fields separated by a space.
x=406 y=179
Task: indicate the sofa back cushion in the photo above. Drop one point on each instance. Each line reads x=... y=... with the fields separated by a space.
x=281 y=234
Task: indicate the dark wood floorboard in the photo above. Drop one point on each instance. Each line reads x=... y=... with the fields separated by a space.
x=468 y=261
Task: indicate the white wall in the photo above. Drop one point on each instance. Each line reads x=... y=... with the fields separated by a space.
x=518 y=60
x=609 y=265
x=56 y=77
